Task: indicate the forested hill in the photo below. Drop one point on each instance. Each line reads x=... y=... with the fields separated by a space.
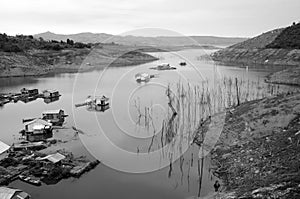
x=23 y=43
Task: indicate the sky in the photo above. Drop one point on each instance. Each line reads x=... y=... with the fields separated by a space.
x=230 y=18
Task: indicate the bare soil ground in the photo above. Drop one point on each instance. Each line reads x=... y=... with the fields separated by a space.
x=290 y=76
x=42 y=62
x=257 y=155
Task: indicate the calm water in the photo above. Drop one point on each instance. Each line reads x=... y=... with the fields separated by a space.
x=135 y=162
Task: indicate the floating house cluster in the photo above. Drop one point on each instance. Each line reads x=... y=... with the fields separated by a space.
x=34 y=167
x=25 y=161
x=27 y=95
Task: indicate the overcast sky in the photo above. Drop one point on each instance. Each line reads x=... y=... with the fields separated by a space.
x=189 y=17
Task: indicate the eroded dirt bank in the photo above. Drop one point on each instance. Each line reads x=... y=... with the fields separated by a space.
x=257 y=155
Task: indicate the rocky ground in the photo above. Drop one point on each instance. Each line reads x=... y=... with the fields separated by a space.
x=257 y=155
x=290 y=76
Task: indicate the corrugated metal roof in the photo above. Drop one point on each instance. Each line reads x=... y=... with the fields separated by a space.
x=54 y=158
x=3 y=147
x=7 y=193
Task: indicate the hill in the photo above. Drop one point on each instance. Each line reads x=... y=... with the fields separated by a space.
x=278 y=47
x=143 y=41
x=27 y=56
x=289 y=38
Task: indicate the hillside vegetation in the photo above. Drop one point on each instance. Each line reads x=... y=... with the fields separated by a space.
x=278 y=47
x=28 y=56
x=159 y=41
x=289 y=38
x=23 y=43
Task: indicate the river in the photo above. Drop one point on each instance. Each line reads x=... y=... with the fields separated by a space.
x=135 y=162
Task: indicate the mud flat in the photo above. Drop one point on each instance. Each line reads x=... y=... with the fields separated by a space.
x=257 y=155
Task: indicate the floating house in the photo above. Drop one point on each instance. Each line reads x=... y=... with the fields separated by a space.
x=25 y=145
x=3 y=150
x=102 y=101
x=30 y=92
x=142 y=77
x=51 y=93
x=50 y=100
x=9 y=193
x=55 y=117
x=163 y=66
x=98 y=103
x=37 y=130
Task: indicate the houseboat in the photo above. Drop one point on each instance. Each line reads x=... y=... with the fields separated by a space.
x=102 y=101
x=163 y=66
x=55 y=117
x=98 y=103
x=50 y=93
x=50 y=100
x=142 y=77
x=37 y=130
x=25 y=145
x=30 y=92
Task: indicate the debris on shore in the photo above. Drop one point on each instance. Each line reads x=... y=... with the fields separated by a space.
x=257 y=155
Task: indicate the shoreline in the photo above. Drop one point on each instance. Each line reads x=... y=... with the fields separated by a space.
x=254 y=155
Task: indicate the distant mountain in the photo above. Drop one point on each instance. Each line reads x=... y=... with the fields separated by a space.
x=143 y=41
x=279 y=47
x=85 y=37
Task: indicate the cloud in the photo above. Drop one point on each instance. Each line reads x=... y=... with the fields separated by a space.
x=197 y=17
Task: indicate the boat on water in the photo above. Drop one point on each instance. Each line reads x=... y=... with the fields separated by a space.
x=101 y=101
x=163 y=66
x=55 y=117
x=30 y=180
x=142 y=77
x=97 y=103
x=182 y=63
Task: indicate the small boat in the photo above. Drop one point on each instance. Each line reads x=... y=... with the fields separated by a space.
x=30 y=180
x=163 y=66
x=142 y=77
x=182 y=63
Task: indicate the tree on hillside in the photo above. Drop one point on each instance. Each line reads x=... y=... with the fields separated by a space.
x=70 y=42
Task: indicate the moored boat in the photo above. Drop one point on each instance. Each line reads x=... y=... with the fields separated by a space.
x=30 y=180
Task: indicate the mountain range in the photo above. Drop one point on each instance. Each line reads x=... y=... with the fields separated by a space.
x=143 y=41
